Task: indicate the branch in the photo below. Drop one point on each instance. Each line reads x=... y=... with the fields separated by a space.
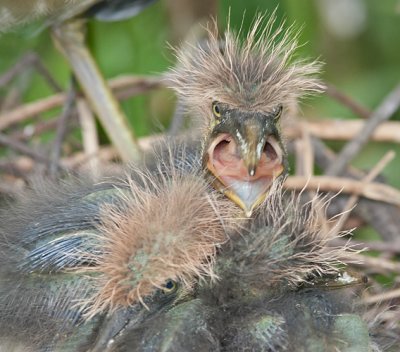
x=351 y=149
x=375 y=191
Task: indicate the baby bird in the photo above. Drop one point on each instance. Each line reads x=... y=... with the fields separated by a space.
x=80 y=261
x=238 y=90
x=279 y=288
x=282 y=288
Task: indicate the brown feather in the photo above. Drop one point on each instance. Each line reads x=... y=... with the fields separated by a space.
x=253 y=74
x=164 y=227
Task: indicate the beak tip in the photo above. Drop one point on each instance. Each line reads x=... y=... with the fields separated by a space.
x=252 y=170
x=248 y=213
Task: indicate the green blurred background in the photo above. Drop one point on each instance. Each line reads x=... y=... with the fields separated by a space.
x=357 y=39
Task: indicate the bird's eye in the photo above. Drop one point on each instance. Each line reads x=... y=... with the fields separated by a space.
x=277 y=112
x=170 y=287
x=216 y=109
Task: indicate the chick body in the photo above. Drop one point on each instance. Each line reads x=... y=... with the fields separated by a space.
x=77 y=257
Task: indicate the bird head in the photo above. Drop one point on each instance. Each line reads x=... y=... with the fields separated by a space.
x=86 y=260
x=280 y=286
x=283 y=247
x=244 y=153
x=238 y=88
x=160 y=234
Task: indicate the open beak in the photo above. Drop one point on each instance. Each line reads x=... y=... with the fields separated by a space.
x=246 y=163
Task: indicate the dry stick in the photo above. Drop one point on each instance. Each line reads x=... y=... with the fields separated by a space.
x=388 y=247
x=22 y=148
x=35 y=130
x=9 y=188
x=325 y=157
x=105 y=153
x=391 y=317
x=89 y=135
x=383 y=217
x=345 y=100
x=387 y=108
x=304 y=154
x=30 y=59
x=305 y=167
x=384 y=296
x=134 y=84
x=109 y=153
x=343 y=130
x=31 y=109
x=351 y=202
x=375 y=191
x=11 y=99
x=61 y=131
x=374 y=265
x=44 y=72
x=70 y=40
x=14 y=71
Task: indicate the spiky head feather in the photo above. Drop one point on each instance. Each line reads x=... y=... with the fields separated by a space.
x=285 y=244
x=255 y=74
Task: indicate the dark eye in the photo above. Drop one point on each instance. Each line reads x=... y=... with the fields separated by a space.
x=277 y=112
x=170 y=287
x=216 y=109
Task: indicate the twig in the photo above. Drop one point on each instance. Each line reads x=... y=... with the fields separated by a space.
x=22 y=148
x=44 y=72
x=304 y=154
x=343 y=130
x=108 y=153
x=10 y=100
x=61 y=131
x=347 y=101
x=36 y=129
x=134 y=84
x=305 y=167
x=10 y=188
x=351 y=149
x=19 y=167
x=376 y=191
x=30 y=59
x=372 y=264
x=388 y=247
x=351 y=202
x=385 y=218
x=69 y=38
x=31 y=109
x=89 y=135
x=384 y=296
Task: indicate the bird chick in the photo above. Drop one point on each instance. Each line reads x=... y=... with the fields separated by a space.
x=239 y=90
x=81 y=260
x=281 y=288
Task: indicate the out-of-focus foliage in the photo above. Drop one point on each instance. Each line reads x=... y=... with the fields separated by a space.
x=357 y=40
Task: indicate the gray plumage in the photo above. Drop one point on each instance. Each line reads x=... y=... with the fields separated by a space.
x=75 y=253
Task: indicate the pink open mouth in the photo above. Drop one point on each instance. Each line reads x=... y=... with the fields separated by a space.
x=226 y=163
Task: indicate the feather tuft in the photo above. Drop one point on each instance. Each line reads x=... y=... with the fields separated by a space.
x=254 y=74
x=162 y=228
